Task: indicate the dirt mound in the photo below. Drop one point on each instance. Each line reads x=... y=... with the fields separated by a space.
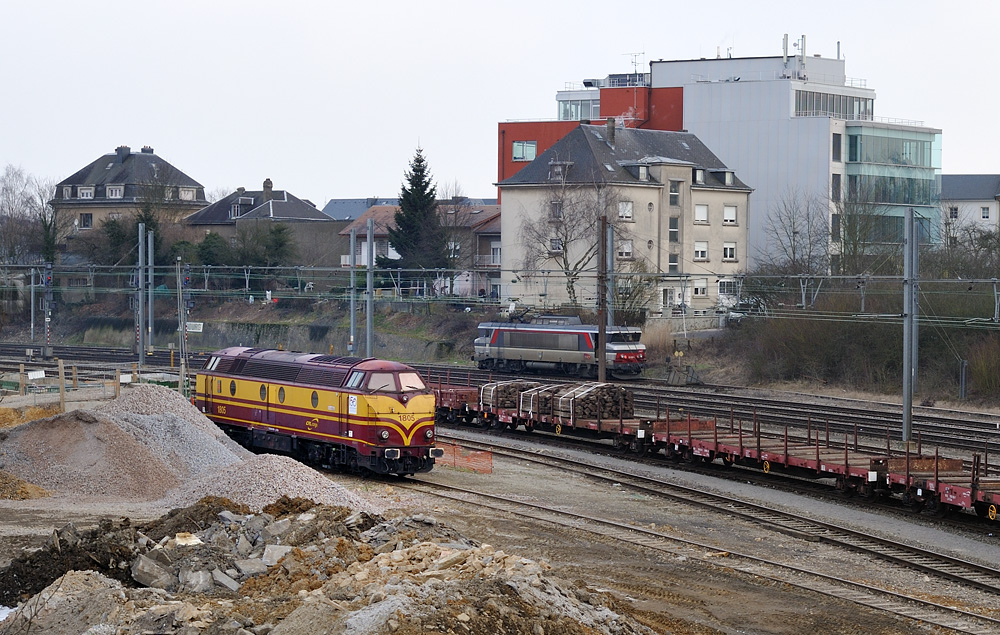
x=10 y=417
x=323 y=570
x=14 y=488
x=194 y=518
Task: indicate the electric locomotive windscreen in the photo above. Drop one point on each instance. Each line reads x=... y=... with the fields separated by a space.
x=411 y=381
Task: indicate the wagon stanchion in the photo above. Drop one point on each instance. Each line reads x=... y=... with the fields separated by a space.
x=919 y=443
x=855 y=437
x=785 y=460
x=827 y=434
x=818 y=470
x=809 y=427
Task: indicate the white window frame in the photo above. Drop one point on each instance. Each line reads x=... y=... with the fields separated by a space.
x=521 y=149
x=115 y=216
x=555 y=245
x=115 y=191
x=985 y=212
x=701 y=250
x=555 y=210
x=643 y=172
x=699 y=176
x=625 y=210
x=729 y=215
x=674 y=233
x=625 y=249
x=699 y=287
x=67 y=191
x=729 y=252
x=454 y=249
x=85 y=192
x=675 y=193
x=89 y=218
x=953 y=212
x=729 y=178
x=495 y=253
x=186 y=194
x=673 y=263
x=701 y=214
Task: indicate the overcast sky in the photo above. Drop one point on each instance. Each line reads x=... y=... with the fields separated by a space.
x=330 y=99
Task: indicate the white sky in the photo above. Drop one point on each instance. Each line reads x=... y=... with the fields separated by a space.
x=330 y=101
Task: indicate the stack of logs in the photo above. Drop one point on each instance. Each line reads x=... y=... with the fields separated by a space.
x=580 y=401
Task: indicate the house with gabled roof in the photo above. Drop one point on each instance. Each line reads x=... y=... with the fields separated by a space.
x=970 y=201
x=316 y=235
x=679 y=216
x=118 y=184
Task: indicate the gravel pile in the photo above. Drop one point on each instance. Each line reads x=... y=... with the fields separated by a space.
x=262 y=479
x=151 y=444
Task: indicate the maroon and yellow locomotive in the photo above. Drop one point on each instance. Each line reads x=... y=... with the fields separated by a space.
x=342 y=412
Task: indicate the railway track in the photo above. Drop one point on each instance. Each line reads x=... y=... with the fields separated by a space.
x=930 y=563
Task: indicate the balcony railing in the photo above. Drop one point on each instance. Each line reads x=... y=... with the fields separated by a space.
x=487 y=260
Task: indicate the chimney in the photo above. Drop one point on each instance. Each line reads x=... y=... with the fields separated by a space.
x=123 y=152
x=240 y=190
x=268 y=193
x=611 y=131
x=147 y=150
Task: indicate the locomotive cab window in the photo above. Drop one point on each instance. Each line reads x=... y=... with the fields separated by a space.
x=356 y=379
x=382 y=382
x=411 y=381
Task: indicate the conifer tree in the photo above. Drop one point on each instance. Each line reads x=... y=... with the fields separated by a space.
x=418 y=236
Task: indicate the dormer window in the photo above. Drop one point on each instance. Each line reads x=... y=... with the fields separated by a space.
x=234 y=211
x=699 y=176
x=728 y=177
x=643 y=173
x=115 y=191
x=187 y=194
x=86 y=192
x=67 y=191
x=557 y=171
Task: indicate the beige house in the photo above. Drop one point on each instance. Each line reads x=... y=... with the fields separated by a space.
x=679 y=219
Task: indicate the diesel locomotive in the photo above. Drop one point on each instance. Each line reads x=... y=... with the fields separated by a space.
x=358 y=415
x=558 y=344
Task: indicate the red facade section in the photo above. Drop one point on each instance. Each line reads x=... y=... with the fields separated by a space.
x=543 y=133
x=666 y=111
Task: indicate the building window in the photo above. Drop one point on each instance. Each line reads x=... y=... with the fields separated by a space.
x=115 y=216
x=555 y=210
x=625 y=249
x=728 y=178
x=729 y=251
x=701 y=214
x=729 y=287
x=835 y=188
x=643 y=173
x=673 y=263
x=729 y=215
x=115 y=191
x=837 y=143
x=524 y=151
x=986 y=213
x=555 y=245
x=67 y=191
x=699 y=176
x=675 y=193
x=234 y=210
x=701 y=287
x=673 y=229
x=625 y=210
x=701 y=250
x=86 y=192
x=495 y=253
x=650 y=207
x=953 y=213
x=187 y=194
x=86 y=221
x=454 y=249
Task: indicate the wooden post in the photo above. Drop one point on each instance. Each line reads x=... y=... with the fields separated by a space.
x=118 y=382
x=181 y=378
x=22 y=381
x=62 y=387
x=75 y=382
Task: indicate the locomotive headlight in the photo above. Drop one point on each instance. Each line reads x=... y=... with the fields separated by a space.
x=384 y=434
x=428 y=433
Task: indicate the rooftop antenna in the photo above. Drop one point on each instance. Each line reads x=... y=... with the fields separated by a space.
x=635 y=60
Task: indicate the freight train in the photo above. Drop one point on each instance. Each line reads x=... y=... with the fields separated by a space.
x=558 y=344
x=358 y=415
x=605 y=411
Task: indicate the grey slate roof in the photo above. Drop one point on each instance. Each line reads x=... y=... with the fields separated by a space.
x=131 y=169
x=352 y=208
x=251 y=204
x=969 y=187
x=594 y=160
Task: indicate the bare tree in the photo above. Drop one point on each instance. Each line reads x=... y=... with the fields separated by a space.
x=635 y=289
x=53 y=226
x=865 y=237
x=565 y=233
x=798 y=236
x=15 y=215
x=456 y=210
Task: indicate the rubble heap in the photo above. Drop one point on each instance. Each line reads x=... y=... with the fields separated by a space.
x=288 y=571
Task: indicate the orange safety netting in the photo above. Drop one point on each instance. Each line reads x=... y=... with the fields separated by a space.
x=464 y=459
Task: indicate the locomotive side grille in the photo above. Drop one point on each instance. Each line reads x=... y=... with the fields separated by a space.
x=267 y=370
x=238 y=366
x=336 y=359
x=321 y=376
x=225 y=365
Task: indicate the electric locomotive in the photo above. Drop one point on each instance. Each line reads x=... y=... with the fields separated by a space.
x=560 y=344
x=343 y=412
